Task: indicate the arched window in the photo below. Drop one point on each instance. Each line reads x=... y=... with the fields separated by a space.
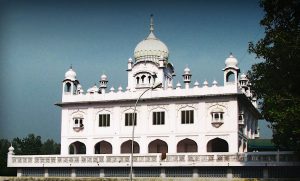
x=77 y=147
x=149 y=79
x=187 y=145
x=137 y=80
x=68 y=87
x=143 y=78
x=158 y=146
x=103 y=147
x=230 y=77
x=126 y=147
x=217 y=145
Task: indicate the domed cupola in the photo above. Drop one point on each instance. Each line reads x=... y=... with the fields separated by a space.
x=231 y=71
x=70 y=74
x=103 y=83
x=70 y=83
x=231 y=61
x=150 y=64
x=151 y=48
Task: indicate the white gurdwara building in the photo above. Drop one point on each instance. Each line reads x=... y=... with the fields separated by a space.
x=185 y=118
x=194 y=126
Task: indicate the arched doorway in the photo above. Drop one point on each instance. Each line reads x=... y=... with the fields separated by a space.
x=126 y=147
x=187 y=145
x=103 y=147
x=217 y=145
x=158 y=146
x=77 y=148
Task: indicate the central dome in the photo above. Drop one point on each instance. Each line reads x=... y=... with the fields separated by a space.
x=151 y=47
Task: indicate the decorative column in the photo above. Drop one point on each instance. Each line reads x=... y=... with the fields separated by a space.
x=103 y=83
x=187 y=77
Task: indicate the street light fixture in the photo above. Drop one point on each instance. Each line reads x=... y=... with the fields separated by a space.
x=154 y=86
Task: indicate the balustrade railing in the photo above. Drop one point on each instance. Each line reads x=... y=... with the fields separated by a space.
x=149 y=159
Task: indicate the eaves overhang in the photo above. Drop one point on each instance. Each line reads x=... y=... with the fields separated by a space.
x=152 y=100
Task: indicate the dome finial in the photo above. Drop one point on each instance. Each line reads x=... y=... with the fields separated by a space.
x=151 y=23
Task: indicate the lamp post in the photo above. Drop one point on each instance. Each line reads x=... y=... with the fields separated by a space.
x=133 y=124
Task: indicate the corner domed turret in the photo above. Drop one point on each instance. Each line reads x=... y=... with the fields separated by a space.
x=70 y=83
x=70 y=74
x=231 y=71
x=151 y=47
x=231 y=61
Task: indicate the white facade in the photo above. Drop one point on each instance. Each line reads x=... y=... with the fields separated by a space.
x=188 y=118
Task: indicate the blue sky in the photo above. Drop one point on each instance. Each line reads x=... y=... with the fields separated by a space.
x=39 y=40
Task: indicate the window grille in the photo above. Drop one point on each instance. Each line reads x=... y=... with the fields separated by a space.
x=247 y=172
x=129 y=119
x=283 y=172
x=59 y=172
x=116 y=172
x=179 y=172
x=88 y=172
x=104 y=120
x=33 y=172
x=216 y=172
x=187 y=117
x=146 y=172
x=158 y=118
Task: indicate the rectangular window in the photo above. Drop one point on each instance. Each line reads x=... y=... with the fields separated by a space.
x=104 y=120
x=158 y=118
x=129 y=119
x=187 y=117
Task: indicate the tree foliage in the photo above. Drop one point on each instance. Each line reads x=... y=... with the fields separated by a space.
x=30 y=145
x=50 y=147
x=276 y=79
x=4 y=145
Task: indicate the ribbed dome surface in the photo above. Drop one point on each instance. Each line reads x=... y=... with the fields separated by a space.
x=151 y=47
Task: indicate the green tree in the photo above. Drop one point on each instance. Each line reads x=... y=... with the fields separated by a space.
x=276 y=79
x=50 y=147
x=30 y=145
x=4 y=145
